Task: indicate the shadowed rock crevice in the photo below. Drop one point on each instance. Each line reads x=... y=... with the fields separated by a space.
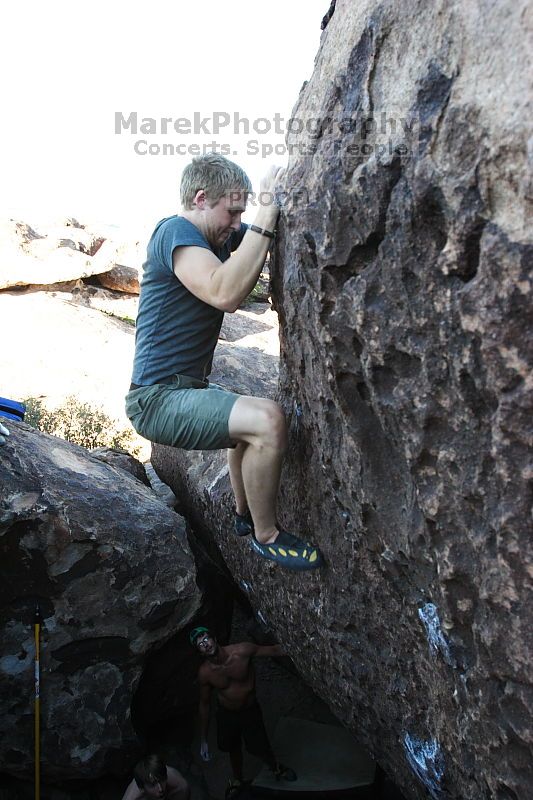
x=432 y=100
x=85 y=653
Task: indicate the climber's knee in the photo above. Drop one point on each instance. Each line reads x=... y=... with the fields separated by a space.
x=259 y=422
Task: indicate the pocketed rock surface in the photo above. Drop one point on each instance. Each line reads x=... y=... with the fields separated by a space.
x=111 y=570
x=403 y=286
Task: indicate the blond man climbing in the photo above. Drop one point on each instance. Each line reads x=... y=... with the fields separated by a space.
x=189 y=282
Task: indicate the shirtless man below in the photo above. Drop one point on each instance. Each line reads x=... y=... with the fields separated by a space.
x=153 y=778
x=230 y=671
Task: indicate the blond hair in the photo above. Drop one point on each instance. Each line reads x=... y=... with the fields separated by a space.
x=216 y=175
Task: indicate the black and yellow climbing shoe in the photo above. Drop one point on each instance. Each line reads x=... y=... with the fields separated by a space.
x=290 y=552
x=244 y=524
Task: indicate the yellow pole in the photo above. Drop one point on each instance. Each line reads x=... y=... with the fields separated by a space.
x=37 y=633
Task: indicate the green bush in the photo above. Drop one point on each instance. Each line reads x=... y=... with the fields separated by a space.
x=259 y=293
x=79 y=423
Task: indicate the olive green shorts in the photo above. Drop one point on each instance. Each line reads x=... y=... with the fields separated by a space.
x=187 y=413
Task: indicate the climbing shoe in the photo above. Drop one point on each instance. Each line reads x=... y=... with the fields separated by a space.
x=283 y=773
x=290 y=552
x=244 y=524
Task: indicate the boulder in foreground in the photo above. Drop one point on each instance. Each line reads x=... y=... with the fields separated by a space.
x=111 y=570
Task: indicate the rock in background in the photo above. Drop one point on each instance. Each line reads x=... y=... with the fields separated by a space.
x=402 y=281
x=68 y=252
x=111 y=570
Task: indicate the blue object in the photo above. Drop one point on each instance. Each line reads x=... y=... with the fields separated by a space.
x=429 y=616
x=11 y=409
x=426 y=761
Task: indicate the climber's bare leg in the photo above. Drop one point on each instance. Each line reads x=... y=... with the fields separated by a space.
x=260 y=425
x=235 y=455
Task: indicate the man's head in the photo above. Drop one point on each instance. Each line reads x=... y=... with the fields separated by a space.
x=204 y=641
x=216 y=175
x=151 y=776
x=213 y=195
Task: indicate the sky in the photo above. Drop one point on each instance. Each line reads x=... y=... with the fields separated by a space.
x=76 y=73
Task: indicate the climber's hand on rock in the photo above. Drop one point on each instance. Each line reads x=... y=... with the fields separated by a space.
x=272 y=180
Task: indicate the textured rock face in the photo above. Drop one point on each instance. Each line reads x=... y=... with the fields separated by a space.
x=117 y=457
x=111 y=570
x=121 y=279
x=403 y=287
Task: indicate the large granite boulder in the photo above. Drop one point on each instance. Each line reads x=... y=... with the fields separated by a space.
x=121 y=279
x=63 y=253
x=403 y=286
x=110 y=568
x=125 y=266
x=117 y=457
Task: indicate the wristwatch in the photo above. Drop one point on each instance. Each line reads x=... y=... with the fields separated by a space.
x=262 y=231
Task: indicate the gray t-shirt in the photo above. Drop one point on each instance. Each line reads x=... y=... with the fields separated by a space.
x=176 y=332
